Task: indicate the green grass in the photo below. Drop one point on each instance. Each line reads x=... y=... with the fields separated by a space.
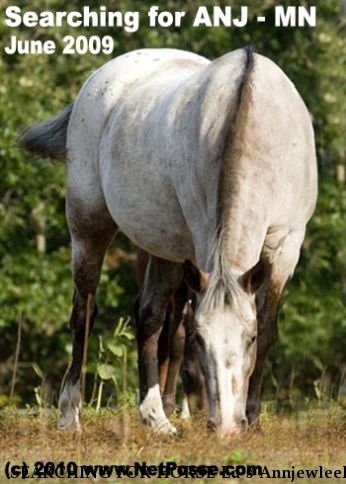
x=306 y=439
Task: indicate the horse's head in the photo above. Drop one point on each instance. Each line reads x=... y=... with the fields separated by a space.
x=226 y=332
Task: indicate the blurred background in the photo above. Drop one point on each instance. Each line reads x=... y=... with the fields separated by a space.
x=309 y=361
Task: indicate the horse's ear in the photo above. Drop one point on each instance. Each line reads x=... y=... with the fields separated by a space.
x=195 y=278
x=253 y=279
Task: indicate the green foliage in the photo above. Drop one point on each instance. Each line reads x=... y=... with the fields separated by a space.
x=115 y=363
x=35 y=282
x=113 y=354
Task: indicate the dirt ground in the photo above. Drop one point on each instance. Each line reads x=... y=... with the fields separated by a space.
x=306 y=440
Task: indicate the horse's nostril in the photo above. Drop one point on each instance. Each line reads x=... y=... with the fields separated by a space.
x=243 y=424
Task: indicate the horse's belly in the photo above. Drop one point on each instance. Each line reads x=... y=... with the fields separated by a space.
x=163 y=243
x=154 y=223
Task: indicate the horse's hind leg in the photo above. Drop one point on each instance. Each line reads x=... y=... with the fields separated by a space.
x=164 y=339
x=91 y=234
x=280 y=263
x=161 y=281
x=164 y=349
x=192 y=376
x=176 y=342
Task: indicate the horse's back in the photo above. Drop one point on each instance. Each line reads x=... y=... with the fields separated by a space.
x=100 y=95
x=106 y=86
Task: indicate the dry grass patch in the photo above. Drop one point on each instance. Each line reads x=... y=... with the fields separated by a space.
x=306 y=440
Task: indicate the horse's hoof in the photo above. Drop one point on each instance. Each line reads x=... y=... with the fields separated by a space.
x=185 y=409
x=184 y=416
x=167 y=428
x=161 y=426
x=70 y=423
x=71 y=427
x=152 y=414
x=69 y=406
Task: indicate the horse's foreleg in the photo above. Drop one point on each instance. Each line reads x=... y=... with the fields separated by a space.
x=90 y=239
x=266 y=337
x=281 y=264
x=161 y=280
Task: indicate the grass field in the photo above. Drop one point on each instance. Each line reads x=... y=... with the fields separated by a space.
x=306 y=440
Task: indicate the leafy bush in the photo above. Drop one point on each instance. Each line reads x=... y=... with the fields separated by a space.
x=35 y=285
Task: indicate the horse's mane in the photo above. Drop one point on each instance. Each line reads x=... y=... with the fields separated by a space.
x=223 y=289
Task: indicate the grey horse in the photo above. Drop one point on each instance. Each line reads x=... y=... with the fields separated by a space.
x=208 y=162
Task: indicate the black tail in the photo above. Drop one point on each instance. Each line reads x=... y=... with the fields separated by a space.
x=47 y=139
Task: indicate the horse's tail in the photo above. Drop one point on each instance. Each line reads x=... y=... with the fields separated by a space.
x=47 y=139
x=244 y=88
x=249 y=62
x=236 y=124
